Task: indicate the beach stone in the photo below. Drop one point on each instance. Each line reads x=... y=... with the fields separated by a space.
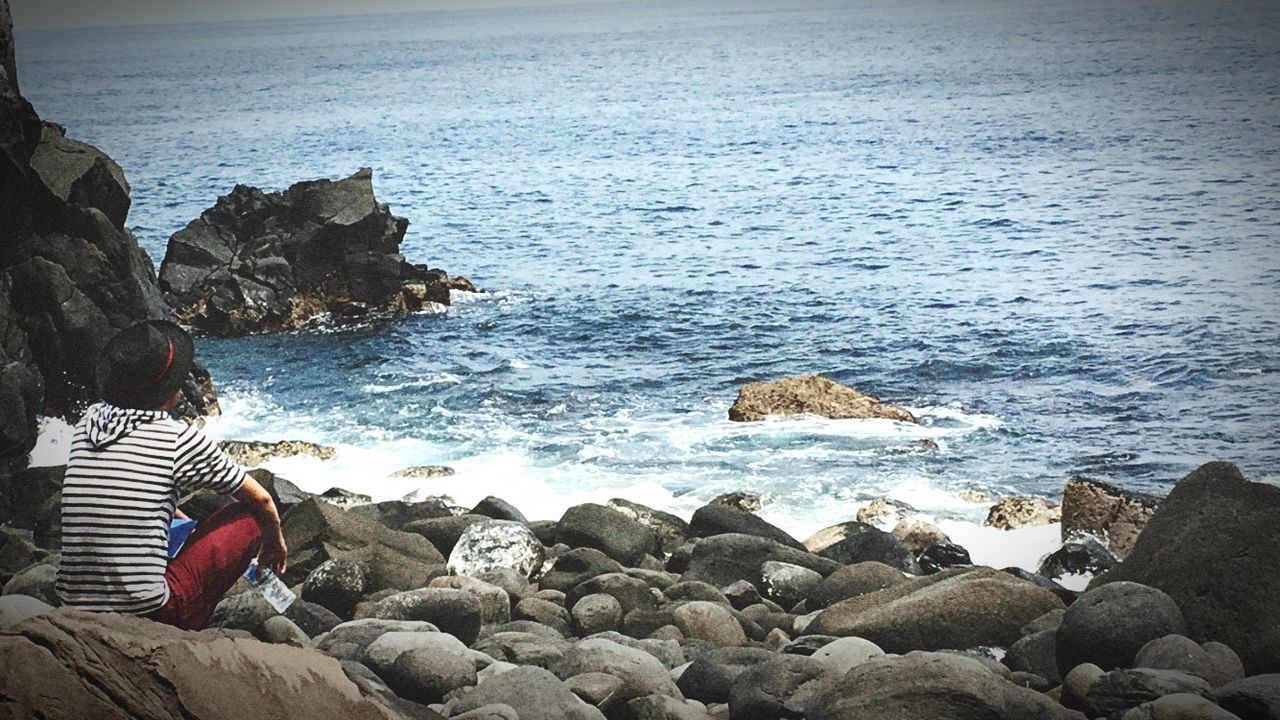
x=851 y=581
x=512 y=582
x=929 y=685
x=1221 y=573
x=1012 y=513
x=495 y=604
x=524 y=648
x=1108 y=625
x=739 y=593
x=710 y=677
x=668 y=652
x=1179 y=706
x=36 y=581
x=69 y=665
x=496 y=711
x=596 y=613
x=349 y=640
x=395 y=514
x=494 y=545
x=1120 y=690
x=1035 y=653
x=663 y=707
x=1253 y=698
x=280 y=629
x=810 y=395
x=787 y=584
x=1079 y=555
x=443 y=532
x=631 y=593
x=381 y=654
x=641 y=673
x=545 y=612
x=498 y=509
x=723 y=559
x=576 y=567
x=607 y=530
x=1096 y=508
x=426 y=675
x=849 y=543
x=843 y=654
x=337 y=584
x=343 y=498
x=311 y=618
x=709 y=621
x=532 y=692
x=883 y=512
x=694 y=590
x=456 y=612
x=763 y=691
x=1067 y=596
x=654 y=578
x=670 y=530
x=809 y=644
x=1048 y=621
x=952 y=609
x=1213 y=661
x=719 y=519
x=595 y=688
x=645 y=622
x=942 y=554
x=16 y=608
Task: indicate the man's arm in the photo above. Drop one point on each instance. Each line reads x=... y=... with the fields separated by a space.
x=274 y=554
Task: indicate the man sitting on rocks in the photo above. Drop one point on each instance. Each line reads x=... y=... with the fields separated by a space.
x=129 y=462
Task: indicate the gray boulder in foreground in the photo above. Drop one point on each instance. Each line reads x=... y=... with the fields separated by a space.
x=813 y=395
x=1212 y=546
x=1109 y=625
x=75 y=665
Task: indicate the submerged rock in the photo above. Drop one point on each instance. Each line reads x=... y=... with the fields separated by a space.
x=813 y=395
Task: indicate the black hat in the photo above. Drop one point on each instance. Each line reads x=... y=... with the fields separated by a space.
x=144 y=364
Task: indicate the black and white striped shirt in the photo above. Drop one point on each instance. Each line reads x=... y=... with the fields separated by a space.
x=123 y=479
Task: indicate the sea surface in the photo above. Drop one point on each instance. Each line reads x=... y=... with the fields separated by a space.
x=1050 y=228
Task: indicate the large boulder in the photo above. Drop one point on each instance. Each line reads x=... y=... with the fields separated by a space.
x=1108 y=625
x=1112 y=514
x=856 y=542
x=1212 y=546
x=812 y=395
x=955 y=610
x=765 y=691
x=718 y=519
x=73 y=665
x=670 y=529
x=258 y=262
x=724 y=559
x=317 y=531
x=710 y=676
x=851 y=581
x=576 y=567
x=494 y=545
x=81 y=174
x=1213 y=661
x=1252 y=697
x=534 y=694
x=455 y=611
x=607 y=530
x=930 y=685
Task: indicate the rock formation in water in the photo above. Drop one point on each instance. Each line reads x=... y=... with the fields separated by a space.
x=812 y=395
x=261 y=262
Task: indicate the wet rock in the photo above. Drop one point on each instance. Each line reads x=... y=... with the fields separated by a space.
x=764 y=691
x=254 y=453
x=1107 y=626
x=1220 y=573
x=930 y=685
x=1213 y=661
x=942 y=554
x=723 y=559
x=718 y=519
x=576 y=567
x=496 y=544
x=1080 y=555
x=1121 y=690
x=812 y=395
x=607 y=530
x=980 y=607
x=1018 y=512
x=456 y=612
x=1096 y=508
x=533 y=693
x=854 y=542
x=670 y=530
x=851 y=581
x=710 y=677
x=709 y=621
x=498 y=509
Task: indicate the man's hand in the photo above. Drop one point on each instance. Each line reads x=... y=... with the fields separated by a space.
x=273 y=555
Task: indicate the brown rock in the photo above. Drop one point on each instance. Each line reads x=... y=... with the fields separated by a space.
x=1105 y=511
x=1018 y=512
x=252 y=453
x=810 y=394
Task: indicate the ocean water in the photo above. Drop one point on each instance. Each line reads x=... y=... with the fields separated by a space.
x=1050 y=228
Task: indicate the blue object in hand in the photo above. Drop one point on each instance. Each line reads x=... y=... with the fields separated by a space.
x=179 y=529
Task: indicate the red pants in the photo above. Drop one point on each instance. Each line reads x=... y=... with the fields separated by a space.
x=213 y=558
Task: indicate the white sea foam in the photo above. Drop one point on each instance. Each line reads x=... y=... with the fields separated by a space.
x=443 y=378
x=53 y=442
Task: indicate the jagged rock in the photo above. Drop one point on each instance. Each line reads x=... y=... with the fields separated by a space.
x=670 y=529
x=883 y=512
x=854 y=542
x=254 y=453
x=851 y=581
x=498 y=509
x=424 y=472
x=532 y=692
x=942 y=554
x=1212 y=546
x=929 y=685
x=718 y=519
x=723 y=559
x=1080 y=555
x=496 y=544
x=73 y=665
x=454 y=611
x=1121 y=690
x=957 y=610
x=607 y=530
x=740 y=499
x=1108 y=625
x=813 y=395
x=81 y=174
x=1018 y=512
x=1213 y=661
x=316 y=531
x=1103 y=510
x=1253 y=697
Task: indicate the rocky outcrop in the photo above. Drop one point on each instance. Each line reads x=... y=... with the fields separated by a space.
x=260 y=262
x=1111 y=514
x=811 y=395
x=254 y=453
x=72 y=665
x=81 y=174
x=1018 y=512
x=1212 y=546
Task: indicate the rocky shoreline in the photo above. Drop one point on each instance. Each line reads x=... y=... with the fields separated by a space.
x=423 y=610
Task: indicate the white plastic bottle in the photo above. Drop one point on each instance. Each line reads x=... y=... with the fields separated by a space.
x=272 y=588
